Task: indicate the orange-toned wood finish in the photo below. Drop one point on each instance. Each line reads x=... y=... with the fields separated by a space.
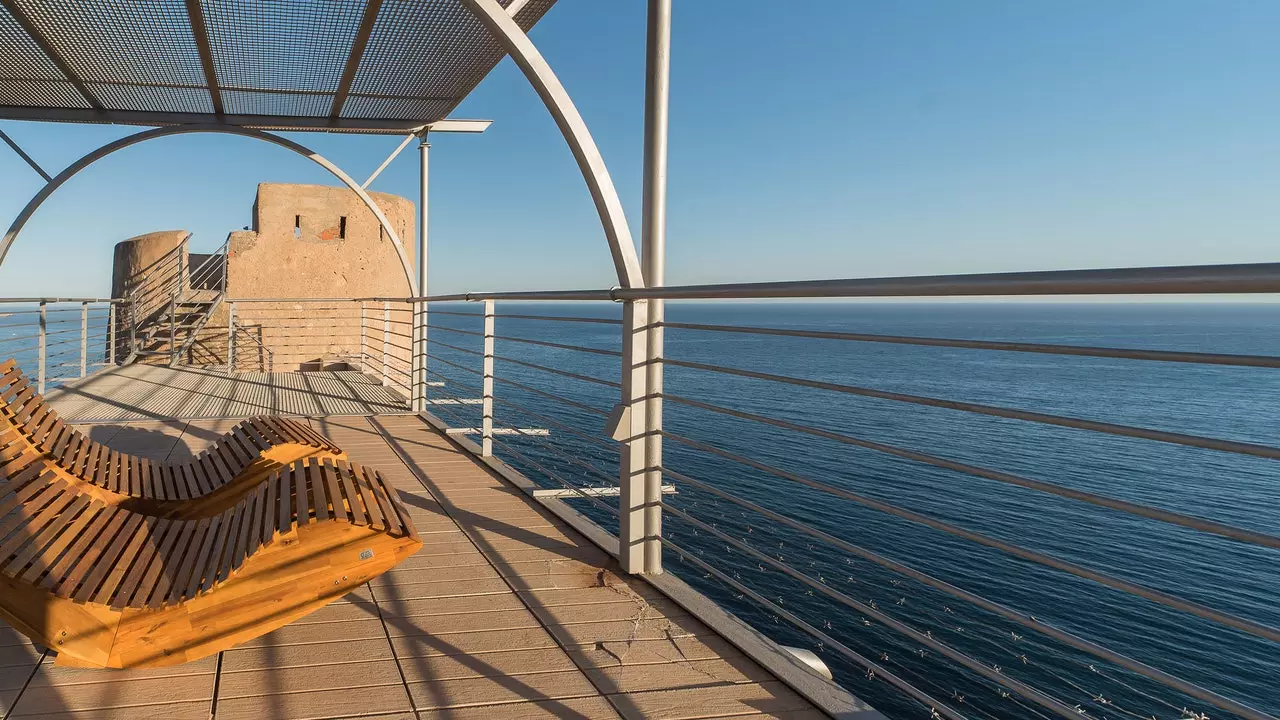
x=107 y=583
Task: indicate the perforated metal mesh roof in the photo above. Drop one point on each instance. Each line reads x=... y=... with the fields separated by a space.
x=353 y=65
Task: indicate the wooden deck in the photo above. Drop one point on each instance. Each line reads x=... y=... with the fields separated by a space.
x=505 y=613
x=153 y=392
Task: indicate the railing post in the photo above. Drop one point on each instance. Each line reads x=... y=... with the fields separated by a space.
x=630 y=432
x=363 y=336
x=41 y=374
x=84 y=339
x=111 y=334
x=133 y=328
x=386 y=341
x=173 y=329
x=231 y=338
x=419 y=356
x=486 y=422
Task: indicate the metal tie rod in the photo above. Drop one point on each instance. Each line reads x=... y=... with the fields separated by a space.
x=1070 y=422
x=1026 y=621
x=1157 y=596
x=868 y=664
x=1189 y=521
x=1046 y=349
x=977 y=666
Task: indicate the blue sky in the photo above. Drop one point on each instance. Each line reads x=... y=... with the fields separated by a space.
x=809 y=139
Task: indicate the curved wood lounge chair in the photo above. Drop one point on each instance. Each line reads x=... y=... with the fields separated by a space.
x=105 y=586
x=213 y=481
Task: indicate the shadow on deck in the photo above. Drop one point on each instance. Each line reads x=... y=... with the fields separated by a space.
x=505 y=612
x=152 y=392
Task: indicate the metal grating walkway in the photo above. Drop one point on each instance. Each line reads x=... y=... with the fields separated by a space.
x=152 y=392
x=505 y=613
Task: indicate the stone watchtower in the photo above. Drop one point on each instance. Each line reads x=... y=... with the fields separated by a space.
x=306 y=241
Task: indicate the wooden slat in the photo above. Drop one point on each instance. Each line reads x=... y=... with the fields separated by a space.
x=270 y=511
x=343 y=474
x=322 y=498
x=330 y=476
x=213 y=570
x=201 y=565
x=66 y=564
x=202 y=481
x=49 y=556
x=146 y=556
x=171 y=556
x=384 y=502
x=42 y=531
x=285 y=523
x=246 y=545
x=225 y=475
x=186 y=555
x=155 y=583
x=211 y=472
x=123 y=564
x=239 y=512
x=33 y=498
x=106 y=560
x=245 y=531
x=300 y=494
x=372 y=508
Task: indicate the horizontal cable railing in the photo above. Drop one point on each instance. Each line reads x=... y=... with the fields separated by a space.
x=59 y=340
x=561 y=372
x=906 y=498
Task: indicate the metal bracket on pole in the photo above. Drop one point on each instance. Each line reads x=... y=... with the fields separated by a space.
x=41 y=372
x=486 y=422
x=631 y=432
x=84 y=339
x=112 y=334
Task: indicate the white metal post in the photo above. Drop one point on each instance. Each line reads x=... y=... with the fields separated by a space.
x=84 y=339
x=111 y=334
x=363 y=336
x=386 y=341
x=653 y=260
x=486 y=422
x=420 y=309
x=231 y=337
x=41 y=375
x=631 y=434
x=173 y=329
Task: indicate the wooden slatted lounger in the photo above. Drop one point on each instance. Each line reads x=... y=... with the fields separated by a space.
x=89 y=568
x=108 y=587
x=213 y=481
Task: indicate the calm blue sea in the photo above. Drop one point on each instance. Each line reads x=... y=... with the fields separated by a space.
x=1227 y=402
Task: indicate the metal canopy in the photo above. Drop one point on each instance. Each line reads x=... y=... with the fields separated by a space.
x=349 y=65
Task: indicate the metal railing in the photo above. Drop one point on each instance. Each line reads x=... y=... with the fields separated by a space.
x=59 y=339
x=462 y=352
x=582 y=413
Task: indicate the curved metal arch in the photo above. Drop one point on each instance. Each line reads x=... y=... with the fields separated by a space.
x=539 y=74
x=11 y=235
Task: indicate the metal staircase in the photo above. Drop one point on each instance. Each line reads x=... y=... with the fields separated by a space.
x=176 y=304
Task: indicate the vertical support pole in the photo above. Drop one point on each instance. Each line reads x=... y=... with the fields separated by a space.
x=364 y=336
x=653 y=260
x=133 y=329
x=420 y=308
x=41 y=374
x=84 y=339
x=173 y=329
x=231 y=338
x=112 y=334
x=386 y=341
x=486 y=422
x=631 y=434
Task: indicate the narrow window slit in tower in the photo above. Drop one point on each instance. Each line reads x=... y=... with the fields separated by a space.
x=342 y=227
